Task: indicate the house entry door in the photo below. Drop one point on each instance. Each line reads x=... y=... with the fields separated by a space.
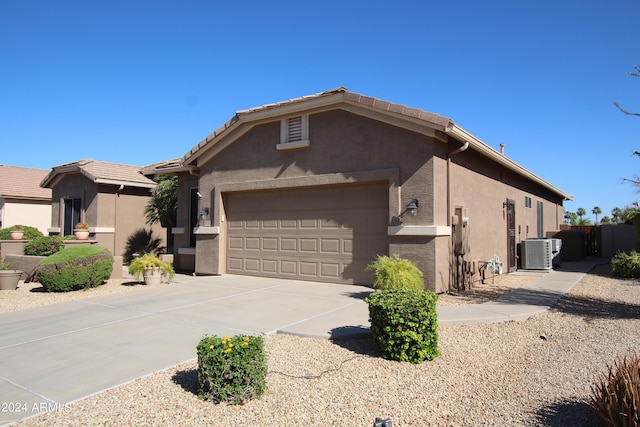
x=511 y=235
x=72 y=208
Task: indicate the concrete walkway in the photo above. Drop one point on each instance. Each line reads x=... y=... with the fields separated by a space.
x=54 y=355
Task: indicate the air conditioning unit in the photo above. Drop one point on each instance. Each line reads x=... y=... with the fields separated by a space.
x=536 y=254
x=556 y=246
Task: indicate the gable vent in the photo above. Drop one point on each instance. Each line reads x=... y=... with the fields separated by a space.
x=294 y=129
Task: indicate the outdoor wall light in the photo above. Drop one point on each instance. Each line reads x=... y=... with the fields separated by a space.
x=203 y=213
x=411 y=209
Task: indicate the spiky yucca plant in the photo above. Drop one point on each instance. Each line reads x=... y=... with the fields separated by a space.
x=616 y=398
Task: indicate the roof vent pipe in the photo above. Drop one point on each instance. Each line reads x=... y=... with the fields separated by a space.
x=502 y=149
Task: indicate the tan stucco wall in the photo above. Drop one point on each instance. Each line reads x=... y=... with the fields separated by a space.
x=481 y=187
x=112 y=214
x=32 y=213
x=346 y=147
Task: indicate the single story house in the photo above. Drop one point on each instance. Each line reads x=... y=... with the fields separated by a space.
x=109 y=197
x=314 y=188
x=22 y=200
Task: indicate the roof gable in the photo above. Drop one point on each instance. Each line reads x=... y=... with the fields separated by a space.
x=415 y=119
x=23 y=183
x=100 y=172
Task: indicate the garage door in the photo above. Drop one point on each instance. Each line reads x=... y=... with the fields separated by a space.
x=326 y=234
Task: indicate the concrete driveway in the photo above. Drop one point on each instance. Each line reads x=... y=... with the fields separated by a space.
x=54 y=355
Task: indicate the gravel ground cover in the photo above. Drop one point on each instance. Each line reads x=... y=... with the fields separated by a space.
x=534 y=373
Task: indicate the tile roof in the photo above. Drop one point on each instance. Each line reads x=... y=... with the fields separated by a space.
x=23 y=183
x=337 y=97
x=102 y=173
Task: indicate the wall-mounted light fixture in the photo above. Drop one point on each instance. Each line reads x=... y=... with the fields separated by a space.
x=203 y=214
x=411 y=209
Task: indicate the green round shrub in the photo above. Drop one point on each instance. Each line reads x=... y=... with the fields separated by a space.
x=30 y=233
x=44 y=246
x=395 y=273
x=404 y=324
x=77 y=267
x=231 y=369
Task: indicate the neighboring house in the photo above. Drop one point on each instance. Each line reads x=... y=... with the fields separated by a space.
x=314 y=188
x=22 y=200
x=110 y=197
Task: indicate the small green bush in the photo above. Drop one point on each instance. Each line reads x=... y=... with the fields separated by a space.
x=404 y=324
x=395 y=273
x=232 y=370
x=616 y=398
x=78 y=267
x=30 y=233
x=44 y=246
x=626 y=265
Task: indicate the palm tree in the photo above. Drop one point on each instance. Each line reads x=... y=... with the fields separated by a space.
x=616 y=214
x=571 y=218
x=580 y=212
x=596 y=211
x=605 y=220
x=163 y=205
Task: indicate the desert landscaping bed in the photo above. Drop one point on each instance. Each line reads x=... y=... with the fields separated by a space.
x=535 y=372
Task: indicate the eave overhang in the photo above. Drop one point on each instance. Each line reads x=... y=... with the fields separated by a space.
x=476 y=144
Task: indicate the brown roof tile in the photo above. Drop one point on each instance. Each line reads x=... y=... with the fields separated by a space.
x=103 y=172
x=347 y=96
x=23 y=183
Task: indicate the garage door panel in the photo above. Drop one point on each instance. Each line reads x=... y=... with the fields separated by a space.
x=330 y=246
x=308 y=269
x=291 y=224
x=252 y=265
x=289 y=244
x=326 y=234
x=252 y=243
x=270 y=244
x=270 y=224
x=309 y=245
x=289 y=267
x=235 y=242
x=269 y=266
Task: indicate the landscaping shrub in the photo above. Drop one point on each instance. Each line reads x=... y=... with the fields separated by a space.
x=74 y=268
x=395 y=273
x=616 y=398
x=626 y=264
x=404 y=324
x=30 y=233
x=231 y=370
x=44 y=246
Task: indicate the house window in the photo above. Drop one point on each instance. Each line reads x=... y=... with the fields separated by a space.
x=72 y=210
x=193 y=215
x=294 y=133
x=540 y=208
x=527 y=202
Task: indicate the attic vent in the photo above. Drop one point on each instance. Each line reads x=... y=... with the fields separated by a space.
x=294 y=133
x=294 y=129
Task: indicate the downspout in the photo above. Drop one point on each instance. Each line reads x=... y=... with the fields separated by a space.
x=451 y=154
x=115 y=219
x=453 y=276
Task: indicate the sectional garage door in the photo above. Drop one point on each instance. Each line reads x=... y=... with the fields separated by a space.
x=326 y=234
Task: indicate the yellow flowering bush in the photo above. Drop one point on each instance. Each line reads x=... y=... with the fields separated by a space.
x=231 y=369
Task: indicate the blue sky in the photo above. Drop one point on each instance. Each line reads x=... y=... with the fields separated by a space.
x=138 y=82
